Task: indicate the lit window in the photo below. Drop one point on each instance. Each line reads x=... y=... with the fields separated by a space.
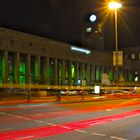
x=88 y=30
x=133 y=56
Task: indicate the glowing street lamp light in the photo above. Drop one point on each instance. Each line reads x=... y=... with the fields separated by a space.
x=115 y=6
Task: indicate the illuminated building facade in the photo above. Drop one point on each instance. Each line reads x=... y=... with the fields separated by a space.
x=27 y=58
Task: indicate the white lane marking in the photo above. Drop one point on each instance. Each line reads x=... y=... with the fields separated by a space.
x=52 y=124
x=28 y=119
x=96 y=123
x=12 y=115
x=65 y=127
x=118 y=138
x=2 y=113
x=115 y=119
x=80 y=131
x=98 y=134
x=17 y=116
x=20 y=117
x=24 y=138
x=4 y=129
x=38 y=121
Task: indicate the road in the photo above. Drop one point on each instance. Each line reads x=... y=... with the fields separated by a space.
x=98 y=120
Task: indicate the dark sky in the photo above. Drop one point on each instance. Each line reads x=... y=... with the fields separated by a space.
x=64 y=20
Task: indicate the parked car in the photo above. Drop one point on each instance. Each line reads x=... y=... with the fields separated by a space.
x=80 y=92
x=68 y=92
x=63 y=92
x=72 y=92
x=120 y=92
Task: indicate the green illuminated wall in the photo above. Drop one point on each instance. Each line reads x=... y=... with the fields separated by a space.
x=42 y=69
x=98 y=74
x=110 y=75
x=0 y=68
x=11 y=78
x=67 y=71
x=130 y=77
x=60 y=72
x=22 y=70
x=3 y=68
x=51 y=72
x=73 y=71
x=36 y=70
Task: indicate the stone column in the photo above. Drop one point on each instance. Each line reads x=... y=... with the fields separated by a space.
x=17 y=68
x=97 y=73
x=102 y=69
x=88 y=73
x=37 y=67
x=55 y=71
x=76 y=72
x=93 y=73
x=46 y=70
x=82 y=71
x=63 y=72
x=5 y=67
x=28 y=68
x=70 y=73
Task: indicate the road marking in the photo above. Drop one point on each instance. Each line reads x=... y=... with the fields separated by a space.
x=96 y=123
x=38 y=121
x=38 y=114
x=24 y=138
x=12 y=115
x=119 y=105
x=52 y=124
x=65 y=127
x=4 y=129
x=118 y=138
x=80 y=131
x=2 y=113
x=98 y=134
x=19 y=116
x=116 y=119
x=28 y=119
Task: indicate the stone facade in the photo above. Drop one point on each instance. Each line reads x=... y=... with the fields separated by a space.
x=27 y=56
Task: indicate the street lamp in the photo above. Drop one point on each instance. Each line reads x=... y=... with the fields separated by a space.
x=115 y=6
x=92 y=18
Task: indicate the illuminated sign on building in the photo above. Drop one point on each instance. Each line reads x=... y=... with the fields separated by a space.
x=80 y=50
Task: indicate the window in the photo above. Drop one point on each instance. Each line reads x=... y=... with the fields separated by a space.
x=133 y=56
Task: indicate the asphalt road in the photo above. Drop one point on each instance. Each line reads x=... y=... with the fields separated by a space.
x=99 y=120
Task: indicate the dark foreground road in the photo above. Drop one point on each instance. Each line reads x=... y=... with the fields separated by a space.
x=98 y=120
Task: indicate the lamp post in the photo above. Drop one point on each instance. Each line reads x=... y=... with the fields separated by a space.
x=115 y=6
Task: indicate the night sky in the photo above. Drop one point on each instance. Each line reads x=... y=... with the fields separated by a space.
x=65 y=20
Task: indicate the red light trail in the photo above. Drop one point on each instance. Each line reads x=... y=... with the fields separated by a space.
x=46 y=131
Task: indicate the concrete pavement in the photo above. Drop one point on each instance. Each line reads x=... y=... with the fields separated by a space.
x=66 y=99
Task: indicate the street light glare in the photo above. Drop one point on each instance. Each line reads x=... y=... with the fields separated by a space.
x=114 y=5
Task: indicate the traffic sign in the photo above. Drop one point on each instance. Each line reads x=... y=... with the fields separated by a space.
x=117 y=58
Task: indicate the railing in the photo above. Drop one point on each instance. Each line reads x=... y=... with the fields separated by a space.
x=65 y=87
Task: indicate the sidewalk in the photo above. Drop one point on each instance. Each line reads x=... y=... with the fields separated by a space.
x=63 y=99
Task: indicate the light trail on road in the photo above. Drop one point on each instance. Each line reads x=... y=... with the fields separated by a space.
x=47 y=131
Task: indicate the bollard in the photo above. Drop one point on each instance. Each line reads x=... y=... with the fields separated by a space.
x=82 y=95
x=29 y=97
x=59 y=96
